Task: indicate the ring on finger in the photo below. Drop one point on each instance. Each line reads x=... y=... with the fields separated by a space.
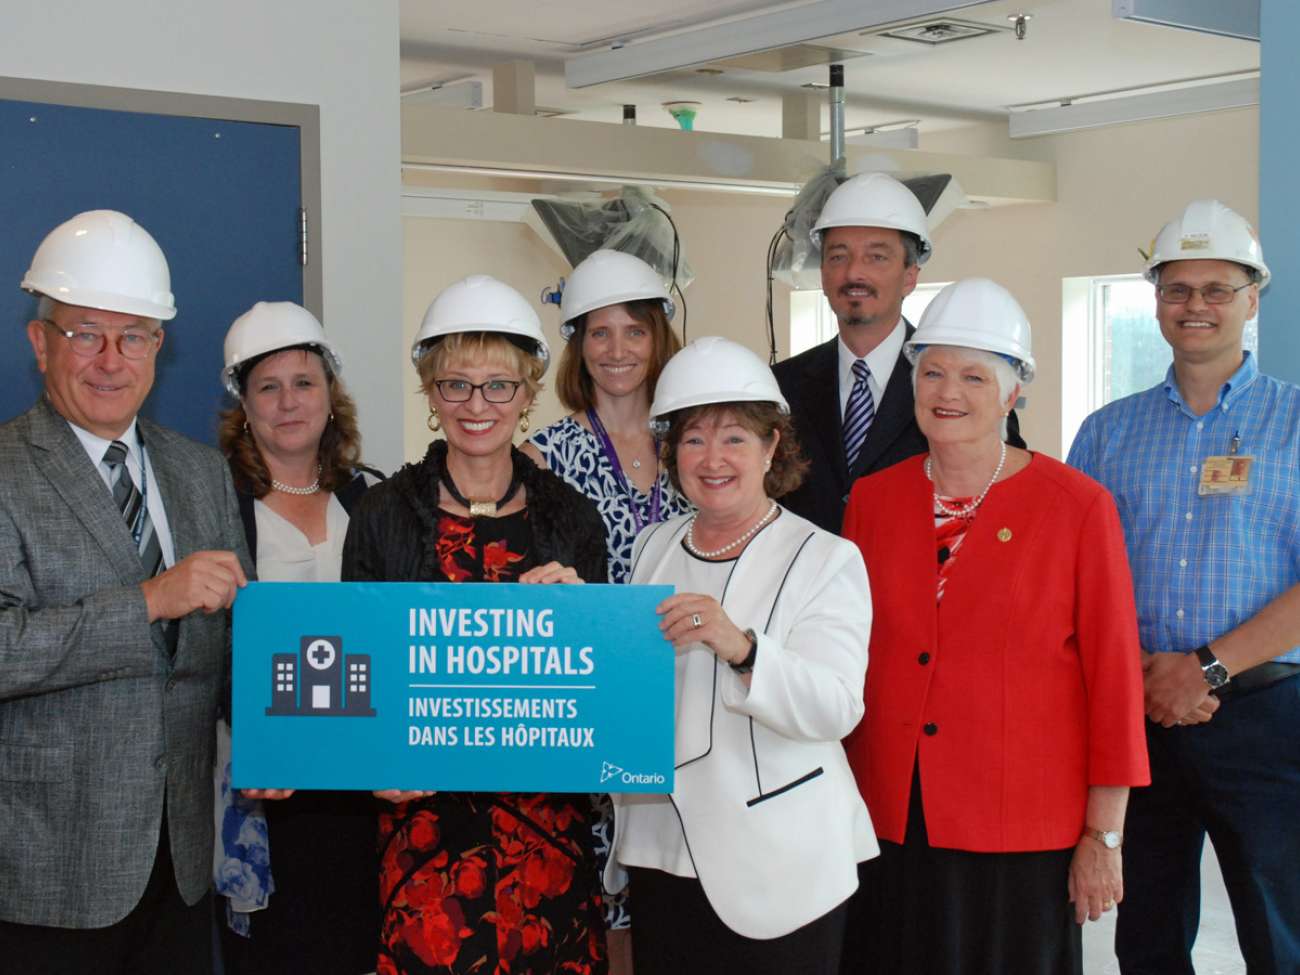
x=1109 y=905
x=696 y=620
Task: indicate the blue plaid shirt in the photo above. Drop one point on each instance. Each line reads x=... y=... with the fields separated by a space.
x=1201 y=565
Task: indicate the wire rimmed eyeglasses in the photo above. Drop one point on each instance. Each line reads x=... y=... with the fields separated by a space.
x=493 y=391
x=89 y=341
x=1211 y=294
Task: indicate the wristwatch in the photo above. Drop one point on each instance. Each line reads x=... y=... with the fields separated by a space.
x=1110 y=839
x=1216 y=675
x=747 y=665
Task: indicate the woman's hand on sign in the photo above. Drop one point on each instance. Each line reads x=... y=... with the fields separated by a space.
x=402 y=795
x=266 y=793
x=551 y=572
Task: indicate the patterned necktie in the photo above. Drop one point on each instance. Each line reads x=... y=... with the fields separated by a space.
x=858 y=413
x=131 y=503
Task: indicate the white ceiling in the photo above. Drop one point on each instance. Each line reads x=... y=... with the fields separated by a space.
x=1073 y=48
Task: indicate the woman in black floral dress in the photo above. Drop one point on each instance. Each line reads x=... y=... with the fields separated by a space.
x=482 y=882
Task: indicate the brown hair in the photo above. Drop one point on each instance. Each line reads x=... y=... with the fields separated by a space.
x=573 y=383
x=760 y=419
x=480 y=347
x=340 y=445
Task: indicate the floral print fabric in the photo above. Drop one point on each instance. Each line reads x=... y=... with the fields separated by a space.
x=480 y=883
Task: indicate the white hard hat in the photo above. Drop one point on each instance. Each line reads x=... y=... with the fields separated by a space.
x=481 y=303
x=714 y=370
x=976 y=313
x=103 y=259
x=606 y=278
x=1208 y=230
x=267 y=327
x=875 y=200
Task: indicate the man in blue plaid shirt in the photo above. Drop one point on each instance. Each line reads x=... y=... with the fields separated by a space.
x=1205 y=469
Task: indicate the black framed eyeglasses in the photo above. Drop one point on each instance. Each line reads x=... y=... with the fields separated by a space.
x=89 y=341
x=1211 y=294
x=494 y=390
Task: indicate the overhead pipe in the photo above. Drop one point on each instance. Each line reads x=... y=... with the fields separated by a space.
x=837 y=115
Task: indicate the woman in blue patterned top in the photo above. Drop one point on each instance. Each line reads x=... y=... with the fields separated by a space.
x=616 y=315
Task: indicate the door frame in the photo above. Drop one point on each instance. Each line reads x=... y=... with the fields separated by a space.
x=304 y=116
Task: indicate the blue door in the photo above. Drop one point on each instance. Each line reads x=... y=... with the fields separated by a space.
x=220 y=197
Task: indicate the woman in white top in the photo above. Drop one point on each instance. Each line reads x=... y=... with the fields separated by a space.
x=293 y=447
x=747 y=864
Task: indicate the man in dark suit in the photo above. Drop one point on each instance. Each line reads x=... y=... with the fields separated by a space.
x=874 y=236
x=122 y=552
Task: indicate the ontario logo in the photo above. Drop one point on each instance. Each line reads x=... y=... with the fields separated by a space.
x=319 y=680
x=608 y=770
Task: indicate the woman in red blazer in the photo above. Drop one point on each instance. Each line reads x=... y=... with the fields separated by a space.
x=1004 y=718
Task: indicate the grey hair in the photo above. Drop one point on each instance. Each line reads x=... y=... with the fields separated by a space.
x=911 y=248
x=1003 y=371
x=45 y=307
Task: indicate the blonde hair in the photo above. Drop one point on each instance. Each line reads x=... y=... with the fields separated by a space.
x=478 y=349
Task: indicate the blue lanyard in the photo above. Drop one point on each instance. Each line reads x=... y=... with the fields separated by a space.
x=611 y=455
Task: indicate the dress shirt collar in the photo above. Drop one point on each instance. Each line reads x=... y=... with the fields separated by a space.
x=96 y=446
x=880 y=361
x=1231 y=391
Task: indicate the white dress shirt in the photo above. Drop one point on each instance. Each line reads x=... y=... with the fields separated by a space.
x=97 y=446
x=880 y=361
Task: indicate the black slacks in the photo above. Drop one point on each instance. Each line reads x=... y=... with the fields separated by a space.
x=162 y=935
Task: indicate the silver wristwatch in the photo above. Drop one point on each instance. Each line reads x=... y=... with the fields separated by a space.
x=1216 y=675
x=1110 y=839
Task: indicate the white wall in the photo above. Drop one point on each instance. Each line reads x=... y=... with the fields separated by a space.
x=1116 y=187
x=338 y=54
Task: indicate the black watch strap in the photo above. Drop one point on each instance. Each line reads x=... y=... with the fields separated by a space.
x=747 y=665
x=1216 y=675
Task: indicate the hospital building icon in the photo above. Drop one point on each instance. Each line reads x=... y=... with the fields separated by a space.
x=314 y=681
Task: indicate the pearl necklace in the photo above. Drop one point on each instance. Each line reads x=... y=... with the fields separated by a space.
x=690 y=535
x=965 y=511
x=311 y=488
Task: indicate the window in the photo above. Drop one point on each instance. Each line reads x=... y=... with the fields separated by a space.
x=812 y=322
x=1111 y=345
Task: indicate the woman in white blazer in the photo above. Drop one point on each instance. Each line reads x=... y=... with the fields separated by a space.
x=747 y=865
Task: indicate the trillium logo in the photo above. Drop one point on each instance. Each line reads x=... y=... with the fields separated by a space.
x=608 y=770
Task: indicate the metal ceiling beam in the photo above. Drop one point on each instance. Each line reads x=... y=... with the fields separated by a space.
x=1135 y=108
x=1226 y=18
x=747 y=35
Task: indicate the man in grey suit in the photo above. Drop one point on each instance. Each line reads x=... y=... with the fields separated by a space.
x=122 y=552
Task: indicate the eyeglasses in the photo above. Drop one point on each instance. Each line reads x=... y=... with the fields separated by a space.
x=1211 y=294
x=89 y=341
x=494 y=390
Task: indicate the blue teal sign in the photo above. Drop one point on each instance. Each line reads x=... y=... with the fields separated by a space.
x=500 y=688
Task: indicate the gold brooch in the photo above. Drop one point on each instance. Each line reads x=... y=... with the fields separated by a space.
x=1004 y=534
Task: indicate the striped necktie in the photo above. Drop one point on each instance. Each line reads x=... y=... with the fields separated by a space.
x=859 y=411
x=132 y=505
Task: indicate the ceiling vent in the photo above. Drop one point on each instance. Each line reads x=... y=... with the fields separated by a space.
x=935 y=32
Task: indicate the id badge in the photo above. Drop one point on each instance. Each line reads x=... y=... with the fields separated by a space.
x=1225 y=474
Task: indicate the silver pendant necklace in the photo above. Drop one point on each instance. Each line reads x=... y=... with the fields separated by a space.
x=311 y=488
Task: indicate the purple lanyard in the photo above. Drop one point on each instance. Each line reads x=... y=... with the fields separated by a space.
x=611 y=455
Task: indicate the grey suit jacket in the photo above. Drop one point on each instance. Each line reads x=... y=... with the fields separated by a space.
x=97 y=722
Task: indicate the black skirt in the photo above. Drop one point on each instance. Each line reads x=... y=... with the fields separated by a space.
x=675 y=931
x=922 y=910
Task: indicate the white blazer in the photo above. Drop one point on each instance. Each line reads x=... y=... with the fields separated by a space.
x=764 y=796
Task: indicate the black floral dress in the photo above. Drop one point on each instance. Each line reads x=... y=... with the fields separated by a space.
x=483 y=882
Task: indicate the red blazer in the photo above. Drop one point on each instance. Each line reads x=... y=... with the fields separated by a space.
x=1024 y=687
